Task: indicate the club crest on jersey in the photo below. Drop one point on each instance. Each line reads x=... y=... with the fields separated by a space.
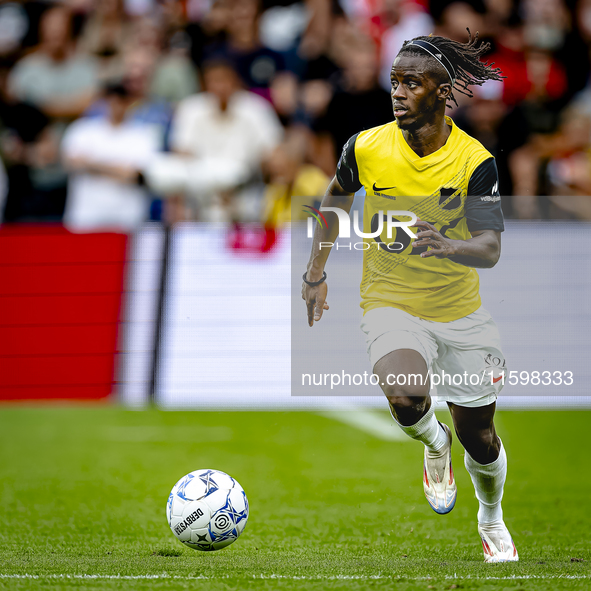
x=450 y=198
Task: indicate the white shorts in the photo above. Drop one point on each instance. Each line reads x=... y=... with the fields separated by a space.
x=469 y=347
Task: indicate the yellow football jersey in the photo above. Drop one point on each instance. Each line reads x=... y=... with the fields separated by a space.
x=455 y=188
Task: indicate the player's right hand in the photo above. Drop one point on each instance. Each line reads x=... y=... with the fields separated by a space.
x=315 y=298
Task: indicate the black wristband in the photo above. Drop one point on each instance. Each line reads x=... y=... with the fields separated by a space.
x=314 y=283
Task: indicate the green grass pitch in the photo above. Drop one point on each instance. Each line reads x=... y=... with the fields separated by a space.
x=83 y=492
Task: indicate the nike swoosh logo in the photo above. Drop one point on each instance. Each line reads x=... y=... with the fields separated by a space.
x=382 y=188
x=495 y=380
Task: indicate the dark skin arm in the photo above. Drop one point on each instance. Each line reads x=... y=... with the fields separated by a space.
x=315 y=297
x=482 y=250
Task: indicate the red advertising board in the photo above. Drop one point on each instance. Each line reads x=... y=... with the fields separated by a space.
x=60 y=301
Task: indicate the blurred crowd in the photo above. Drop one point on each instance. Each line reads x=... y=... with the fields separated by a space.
x=113 y=112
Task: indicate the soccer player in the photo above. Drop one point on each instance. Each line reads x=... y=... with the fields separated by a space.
x=422 y=308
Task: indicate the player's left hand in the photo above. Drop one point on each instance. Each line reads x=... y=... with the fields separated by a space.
x=428 y=235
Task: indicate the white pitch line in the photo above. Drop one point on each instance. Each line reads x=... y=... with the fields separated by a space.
x=373 y=422
x=165 y=576
x=423 y=578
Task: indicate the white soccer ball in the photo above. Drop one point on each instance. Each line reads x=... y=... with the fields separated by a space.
x=207 y=510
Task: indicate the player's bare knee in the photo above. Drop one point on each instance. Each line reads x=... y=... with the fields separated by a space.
x=396 y=390
x=408 y=404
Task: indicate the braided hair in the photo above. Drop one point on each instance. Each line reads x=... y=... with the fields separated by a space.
x=465 y=58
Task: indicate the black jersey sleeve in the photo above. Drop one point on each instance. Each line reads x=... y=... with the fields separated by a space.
x=483 y=203
x=347 y=171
